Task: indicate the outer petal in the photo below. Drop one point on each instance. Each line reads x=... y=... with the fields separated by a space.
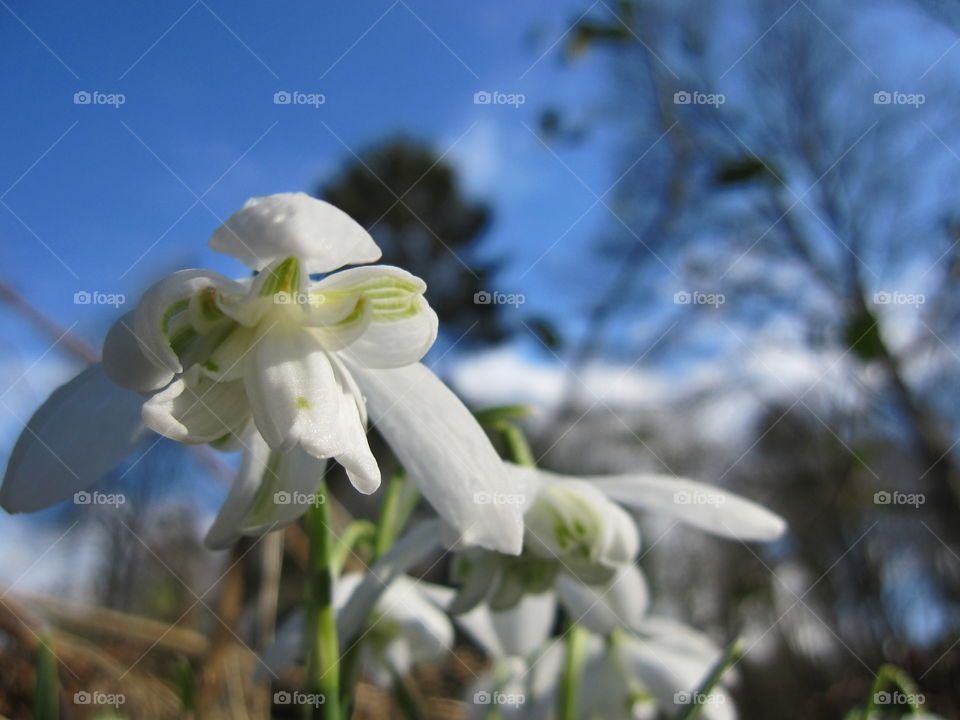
x=163 y=316
x=293 y=391
x=126 y=359
x=357 y=459
x=478 y=574
x=671 y=673
x=196 y=409
x=426 y=629
x=226 y=527
x=287 y=488
x=703 y=506
x=83 y=430
x=519 y=631
x=277 y=226
x=412 y=548
x=602 y=609
x=402 y=327
x=446 y=452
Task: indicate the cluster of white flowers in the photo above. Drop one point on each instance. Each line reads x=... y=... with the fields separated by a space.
x=290 y=365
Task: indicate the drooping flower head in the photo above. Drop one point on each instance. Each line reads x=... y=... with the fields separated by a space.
x=295 y=357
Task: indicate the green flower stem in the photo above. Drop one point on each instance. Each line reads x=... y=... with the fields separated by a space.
x=46 y=701
x=405 y=699
x=518 y=449
x=388 y=526
x=892 y=676
x=569 y=696
x=397 y=505
x=729 y=659
x=323 y=656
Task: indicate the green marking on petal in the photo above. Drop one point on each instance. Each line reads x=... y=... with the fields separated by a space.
x=262 y=508
x=284 y=277
x=302 y=403
x=177 y=307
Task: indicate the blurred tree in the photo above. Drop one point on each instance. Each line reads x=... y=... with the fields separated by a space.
x=410 y=201
x=822 y=210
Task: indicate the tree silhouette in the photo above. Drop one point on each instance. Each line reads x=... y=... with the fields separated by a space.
x=410 y=201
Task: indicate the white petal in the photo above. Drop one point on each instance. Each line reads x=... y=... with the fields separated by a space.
x=518 y=631
x=163 y=317
x=602 y=609
x=402 y=326
x=127 y=362
x=225 y=530
x=293 y=391
x=477 y=572
x=273 y=227
x=196 y=409
x=445 y=452
x=359 y=462
x=225 y=363
x=288 y=487
x=83 y=430
x=573 y=521
x=698 y=504
x=426 y=628
x=414 y=547
x=669 y=671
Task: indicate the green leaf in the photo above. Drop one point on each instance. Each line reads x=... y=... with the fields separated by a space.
x=493 y=416
x=729 y=659
x=46 y=700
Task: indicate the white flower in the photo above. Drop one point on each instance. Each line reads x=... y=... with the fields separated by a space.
x=627 y=675
x=580 y=541
x=407 y=627
x=306 y=361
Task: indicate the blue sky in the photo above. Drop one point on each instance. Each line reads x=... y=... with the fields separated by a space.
x=105 y=197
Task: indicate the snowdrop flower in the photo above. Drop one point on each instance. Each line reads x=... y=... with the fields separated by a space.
x=628 y=675
x=297 y=362
x=580 y=541
x=407 y=627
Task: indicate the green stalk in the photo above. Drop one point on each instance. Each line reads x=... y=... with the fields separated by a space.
x=388 y=526
x=892 y=676
x=518 y=449
x=730 y=658
x=323 y=655
x=46 y=700
x=405 y=699
x=569 y=696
